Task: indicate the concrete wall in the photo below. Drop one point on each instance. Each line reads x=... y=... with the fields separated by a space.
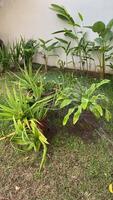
x=34 y=19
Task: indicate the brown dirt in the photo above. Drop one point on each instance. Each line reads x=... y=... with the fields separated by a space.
x=85 y=127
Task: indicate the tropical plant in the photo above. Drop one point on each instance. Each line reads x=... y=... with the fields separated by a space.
x=15 y=50
x=32 y=82
x=83 y=50
x=82 y=47
x=103 y=43
x=67 y=49
x=26 y=115
x=79 y=99
x=64 y=15
x=29 y=49
x=46 y=47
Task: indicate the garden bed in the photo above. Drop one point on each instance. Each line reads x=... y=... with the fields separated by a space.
x=79 y=161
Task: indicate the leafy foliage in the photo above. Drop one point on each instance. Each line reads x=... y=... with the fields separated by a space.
x=98 y=27
x=15 y=50
x=29 y=49
x=46 y=47
x=32 y=82
x=63 y=14
x=103 y=44
x=79 y=99
x=66 y=46
x=26 y=111
x=5 y=58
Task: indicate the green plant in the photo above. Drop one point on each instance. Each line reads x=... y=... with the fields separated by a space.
x=103 y=43
x=66 y=47
x=46 y=47
x=63 y=14
x=5 y=58
x=16 y=53
x=82 y=47
x=28 y=50
x=83 y=50
x=79 y=99
x=32 y=82
x=74 y=33
x=26 y=115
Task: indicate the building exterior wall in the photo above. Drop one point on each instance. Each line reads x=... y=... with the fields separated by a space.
x=34 y=19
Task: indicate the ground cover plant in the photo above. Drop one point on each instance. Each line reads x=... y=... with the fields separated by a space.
x=79 y=99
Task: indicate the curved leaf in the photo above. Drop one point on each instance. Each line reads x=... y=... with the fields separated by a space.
x=98 y=27
x=110 y=24
x=80 y=16
x=66 y=118
x=77 y=115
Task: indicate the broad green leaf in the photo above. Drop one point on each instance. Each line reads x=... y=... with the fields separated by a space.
x=63 y=14
x=77 y=115
x=98 y=27
x=71 y=35
x=63 y=17
x=99 y=109
x=80 y=16
x=108 y=115
x=62 y=40
x=105 y=81
x=84 y=103
x=65 y=103
x=66 y=118
x=94 y=111
x=110 y=24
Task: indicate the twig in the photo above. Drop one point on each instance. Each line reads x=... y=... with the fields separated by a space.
x=5 y=137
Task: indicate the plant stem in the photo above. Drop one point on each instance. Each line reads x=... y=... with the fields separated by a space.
x=74 y=65
x=46 y=62
x=102 y=73
x=66 y=62
x=103 y=65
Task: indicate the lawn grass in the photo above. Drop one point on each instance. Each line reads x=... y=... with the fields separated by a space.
x=76 y=168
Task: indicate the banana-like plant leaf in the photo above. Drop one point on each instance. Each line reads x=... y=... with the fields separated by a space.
x=80 y=16
x=77 y=115
x=98 y=27
x=65 y=103
x=67 y=116
x=62 y=31
x=62 y=40
x=63 y=14
x=110 y=24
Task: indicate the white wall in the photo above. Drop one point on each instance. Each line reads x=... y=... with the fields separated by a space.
x=34 y=19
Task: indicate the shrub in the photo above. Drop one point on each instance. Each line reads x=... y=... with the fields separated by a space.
x=78 y=99
x=26 y=111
